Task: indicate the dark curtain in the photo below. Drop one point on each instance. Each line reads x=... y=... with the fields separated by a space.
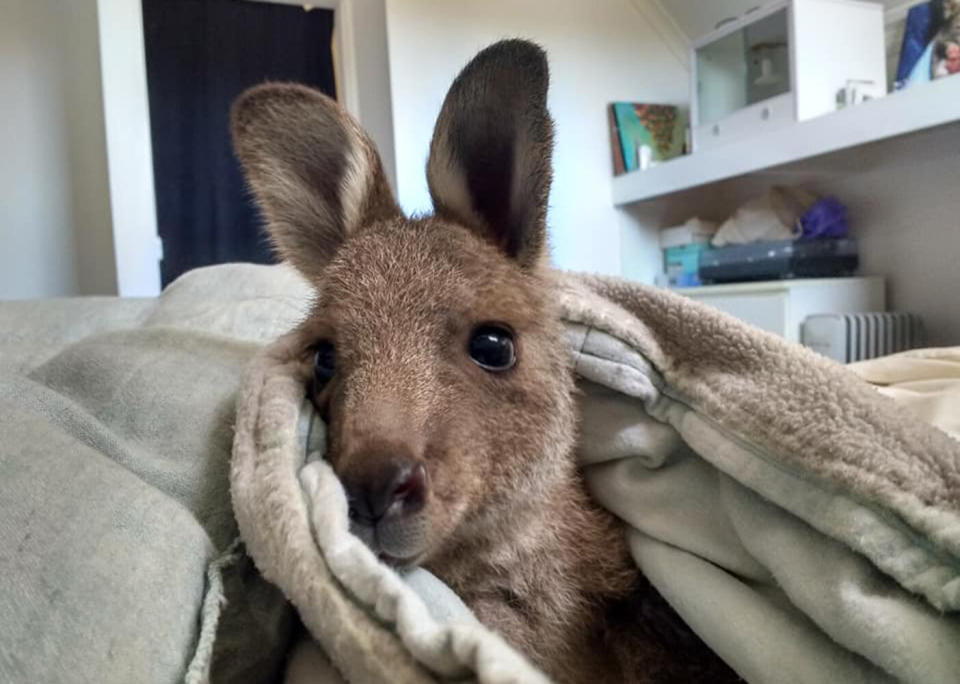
x=200 y=55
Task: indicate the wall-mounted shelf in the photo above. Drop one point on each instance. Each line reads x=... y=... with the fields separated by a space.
x=834 y=138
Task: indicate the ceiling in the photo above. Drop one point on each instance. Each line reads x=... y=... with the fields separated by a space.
x=697 y=18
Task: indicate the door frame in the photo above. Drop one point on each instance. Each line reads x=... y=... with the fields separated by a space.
x=362 y=74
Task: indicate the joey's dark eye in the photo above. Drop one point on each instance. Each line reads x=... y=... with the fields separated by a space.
x=324 y=363
x=491 y=347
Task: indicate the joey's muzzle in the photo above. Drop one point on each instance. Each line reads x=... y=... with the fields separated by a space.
x=388 y=488
x=395 y=489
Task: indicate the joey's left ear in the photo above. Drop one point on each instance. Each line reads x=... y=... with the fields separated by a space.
x=489 y=166
x=314 y=172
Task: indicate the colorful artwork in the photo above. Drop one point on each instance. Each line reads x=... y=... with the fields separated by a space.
x=946 y=42
x=648 y=133
x=931 y=43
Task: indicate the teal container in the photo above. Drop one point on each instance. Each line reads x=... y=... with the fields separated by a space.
x=681 y=264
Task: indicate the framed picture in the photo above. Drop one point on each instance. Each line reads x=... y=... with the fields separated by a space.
x=931 y=43
x=642 y=134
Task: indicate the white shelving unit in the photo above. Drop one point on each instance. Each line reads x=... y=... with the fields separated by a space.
x=834 y=142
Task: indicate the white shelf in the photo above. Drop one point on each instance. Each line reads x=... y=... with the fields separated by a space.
x=934 y=105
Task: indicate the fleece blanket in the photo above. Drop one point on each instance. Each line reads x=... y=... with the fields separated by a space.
x=806 y=527
x=803 y=525
x=926 y=382
x=118 y=555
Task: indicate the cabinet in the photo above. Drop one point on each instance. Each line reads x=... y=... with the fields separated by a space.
x=788 y=61
x=780 y=306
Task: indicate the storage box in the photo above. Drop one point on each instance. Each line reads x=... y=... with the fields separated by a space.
x=778 y=259
x=694 y=230
x=681 y=264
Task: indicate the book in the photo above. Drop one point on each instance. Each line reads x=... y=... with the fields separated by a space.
x=616 y=152
x=914 y=64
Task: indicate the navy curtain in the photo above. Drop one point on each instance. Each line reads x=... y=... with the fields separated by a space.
x=200 y=55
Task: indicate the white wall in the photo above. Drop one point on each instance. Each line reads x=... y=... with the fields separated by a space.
x=600 y=51
x=54 y=218
x=907 y=219
x=36 y=240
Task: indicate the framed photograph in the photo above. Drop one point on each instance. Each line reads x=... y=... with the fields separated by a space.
x=931 y=43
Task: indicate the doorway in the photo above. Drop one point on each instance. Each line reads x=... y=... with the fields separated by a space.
x=201 y=54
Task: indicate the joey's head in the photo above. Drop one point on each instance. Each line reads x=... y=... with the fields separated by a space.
x=436 y=354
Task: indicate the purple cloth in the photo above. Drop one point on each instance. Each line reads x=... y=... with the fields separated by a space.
x=827 y=218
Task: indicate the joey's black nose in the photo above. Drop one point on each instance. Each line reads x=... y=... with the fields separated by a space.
x=392 y=489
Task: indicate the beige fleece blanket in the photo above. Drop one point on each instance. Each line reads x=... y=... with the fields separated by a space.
x=924 y=381
x=805 y=526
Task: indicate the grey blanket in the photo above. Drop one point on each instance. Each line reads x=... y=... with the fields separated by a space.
x=116 y=530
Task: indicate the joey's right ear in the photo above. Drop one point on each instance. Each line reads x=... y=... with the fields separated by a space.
x=315 y=174
x=490 y=157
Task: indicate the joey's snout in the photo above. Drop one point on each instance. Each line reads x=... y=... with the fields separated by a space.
x=388 y=488
x=392 y=489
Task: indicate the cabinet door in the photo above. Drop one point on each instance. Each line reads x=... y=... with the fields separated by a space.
x=766 y=310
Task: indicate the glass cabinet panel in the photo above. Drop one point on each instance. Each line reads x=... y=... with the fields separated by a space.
x=746 y=66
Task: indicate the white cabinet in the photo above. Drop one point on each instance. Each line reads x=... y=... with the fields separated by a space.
x=785 y=62
x=840 y=46
x=780 y=306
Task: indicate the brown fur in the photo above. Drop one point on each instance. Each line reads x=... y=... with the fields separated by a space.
x=507 y=522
